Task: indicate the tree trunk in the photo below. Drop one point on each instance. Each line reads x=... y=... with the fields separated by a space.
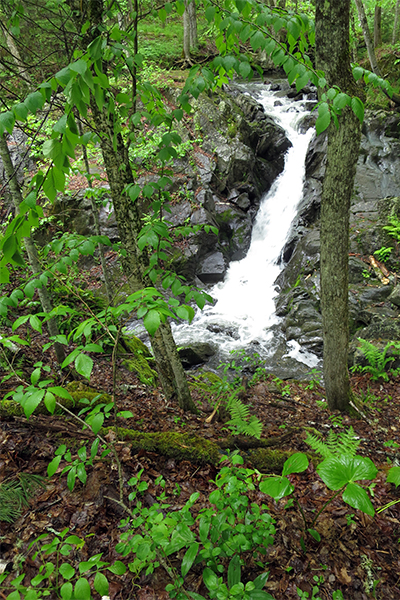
x=186 y=33
x=191 y=8
x=396 y=22
x=367 y=37
x=30 y=248
x=370 y=49
x=119 y=174
x=332 y=56
x=378 y=26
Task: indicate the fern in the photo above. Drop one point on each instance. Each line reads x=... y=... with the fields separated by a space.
x=377 y=359
x=337 y=444
x=241 y=422
x=15 y=494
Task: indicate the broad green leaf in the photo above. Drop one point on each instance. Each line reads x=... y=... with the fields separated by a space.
x=66 y=591
x=245 y=69
x=71 y=477
x=50 y=402
x=189 y=558
x=34 y=102
x=277 y=487
x=337 y=471
x=84 y=365
x=314 y=534
x=66 y=571
x=21 y=111
x=82 y=589
x=234 y=571
x=341 y=100
x=302 y=81
x=79 y=66
x=358 y=72
x=96 y=422
x=210 y=579
x=81 y=473
x=4 y=276
x=257 y=40
x=101 y=584
x=53 y=465
x=297 y=463
x=94 y=48
x=32 y=402
x=358 y=108
x=261 y=580
x=322 y=122
x=260 y=595
x=35 y=322
x=61 y=392
x=152 y=321
x=118 y=568
x=394 y=476
x=357 y=497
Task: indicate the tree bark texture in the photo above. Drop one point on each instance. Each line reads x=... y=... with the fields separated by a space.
x=367 y=36
x=30 y=248
x=119 y=174
x=378 y=26
x=396 y=22
x=332 y=55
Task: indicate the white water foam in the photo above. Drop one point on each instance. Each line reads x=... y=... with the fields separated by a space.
x=244 y=301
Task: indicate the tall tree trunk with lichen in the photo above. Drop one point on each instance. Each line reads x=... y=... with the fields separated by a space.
x=333 y=57
x=135 y=262
x=30 y=247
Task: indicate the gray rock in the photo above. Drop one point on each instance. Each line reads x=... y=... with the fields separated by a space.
x=212 y=269
x=196 y=354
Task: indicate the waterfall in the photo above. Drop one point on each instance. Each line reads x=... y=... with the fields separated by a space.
x=244 y=309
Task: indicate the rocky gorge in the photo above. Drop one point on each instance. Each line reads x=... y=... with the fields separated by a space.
x=221 y=181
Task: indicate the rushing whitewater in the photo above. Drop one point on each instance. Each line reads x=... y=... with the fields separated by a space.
x=244 y=308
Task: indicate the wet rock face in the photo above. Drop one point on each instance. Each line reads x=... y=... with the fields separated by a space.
x=219 y=184
x=374 y=307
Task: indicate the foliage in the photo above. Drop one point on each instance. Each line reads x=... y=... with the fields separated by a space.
x=57 y=575
x=225 y=532
x=377 y=359
x=383 y=253
x=16 y=493
x=393 y=229
x=344 y=442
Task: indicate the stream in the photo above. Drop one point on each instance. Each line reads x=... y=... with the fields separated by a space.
x=243 y=315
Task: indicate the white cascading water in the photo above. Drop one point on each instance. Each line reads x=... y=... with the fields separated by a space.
x=244 y=308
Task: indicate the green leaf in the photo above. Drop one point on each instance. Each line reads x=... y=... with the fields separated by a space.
x=61 y=392
x=118 y=568
x=96 y=422
x=357 y=497
x=358 y=72
x=32 y=402
x=358 y=108
x=4 y=276
x=257 y=40
x=80 y=66
x=337 y=471
x=394 y=476
x=261 y=580
x=84 y=365
x=341 y=100
x=322 y=122
x=34 y=102
x=314 y=534
x=245 y=69
x=94 y=49
x=21 y=111
x=302 y=81
x=81 y=473
x=277 y=487
x=53 y=465
x=260 y=595
x=234 y=571
x=152 y=321
x=66 y=571
x=35 y=323
x=71 y=479
x=210 y=579
x=50 y=402
x=66 y=591
x=297 y=463
x=82 y=589
x=189 y=558
x=101 y=584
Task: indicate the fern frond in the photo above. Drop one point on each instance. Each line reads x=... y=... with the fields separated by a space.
x=238 y=410
x=344 y=443
x=318 y=445
x=15 y=493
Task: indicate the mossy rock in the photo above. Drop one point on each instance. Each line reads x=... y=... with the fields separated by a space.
x=268 y=460
x=204 y=381
x=181 y=446
x=77 y=389
x=140 y=359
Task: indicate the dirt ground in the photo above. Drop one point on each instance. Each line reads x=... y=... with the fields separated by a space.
x=357 y=554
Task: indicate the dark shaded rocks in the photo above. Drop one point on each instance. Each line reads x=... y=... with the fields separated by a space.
x=196 y=354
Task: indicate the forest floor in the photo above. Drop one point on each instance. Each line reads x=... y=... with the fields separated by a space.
x=357 y=554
